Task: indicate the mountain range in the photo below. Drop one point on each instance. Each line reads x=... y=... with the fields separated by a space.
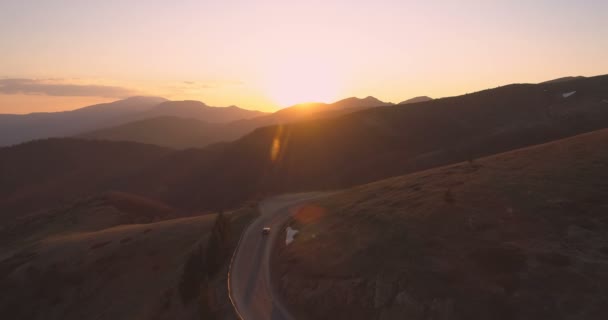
x=155 y=120
x=187 y=131
x=324 y=153
x=20 y=128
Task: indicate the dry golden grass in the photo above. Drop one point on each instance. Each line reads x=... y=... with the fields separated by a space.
x=520 y=235
x=128 y=271
x=85 y=215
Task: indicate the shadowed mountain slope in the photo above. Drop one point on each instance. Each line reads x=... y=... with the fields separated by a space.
x=47 y=173
x=336 y=152
x=165 y=131
x=382 y=142
x=88 y=214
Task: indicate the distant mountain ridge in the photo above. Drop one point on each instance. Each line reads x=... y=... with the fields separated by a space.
x=310 y=108
x=15 y=129
x=186 y=130
x=416 y=100
x=154 y=120
x=199 y=110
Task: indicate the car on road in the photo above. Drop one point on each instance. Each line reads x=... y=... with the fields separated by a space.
x=266 y=230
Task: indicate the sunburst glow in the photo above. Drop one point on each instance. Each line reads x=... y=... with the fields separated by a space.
x=302 y=79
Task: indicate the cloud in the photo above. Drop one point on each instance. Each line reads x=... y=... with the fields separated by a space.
x=53 y=87
x=209 y=84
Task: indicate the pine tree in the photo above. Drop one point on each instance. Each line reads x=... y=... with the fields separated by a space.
x=218 y=245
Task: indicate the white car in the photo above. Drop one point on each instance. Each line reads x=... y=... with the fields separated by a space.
x=265 y=230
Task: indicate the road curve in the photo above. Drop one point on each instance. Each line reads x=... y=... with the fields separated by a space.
x=249 y=278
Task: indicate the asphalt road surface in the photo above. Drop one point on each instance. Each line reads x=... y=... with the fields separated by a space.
x=250 y=288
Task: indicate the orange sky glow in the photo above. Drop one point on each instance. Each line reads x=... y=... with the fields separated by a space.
x=269 y=54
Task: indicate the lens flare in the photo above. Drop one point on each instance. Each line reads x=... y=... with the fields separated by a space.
x=308 y=213
x=277 y=142
x=275 y=149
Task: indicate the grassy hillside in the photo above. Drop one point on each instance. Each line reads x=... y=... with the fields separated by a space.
x=157 y=270
x=124 y=272
x=519 y=235
x=85 y=215
x=48 y=173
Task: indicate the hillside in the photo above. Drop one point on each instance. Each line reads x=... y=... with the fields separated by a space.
x=124 y=272
x=326 y=153
x=118 y=256
x=165 y=131
x=54 y=172
x=564 y=79
x=88 y=214
x=519 y=235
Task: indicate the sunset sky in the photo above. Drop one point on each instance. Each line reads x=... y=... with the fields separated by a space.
x=60 y=54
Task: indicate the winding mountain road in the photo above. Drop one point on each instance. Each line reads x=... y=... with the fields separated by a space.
x=249 y=279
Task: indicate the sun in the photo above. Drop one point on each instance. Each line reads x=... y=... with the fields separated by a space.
x=305 y=80
x=303 y=87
